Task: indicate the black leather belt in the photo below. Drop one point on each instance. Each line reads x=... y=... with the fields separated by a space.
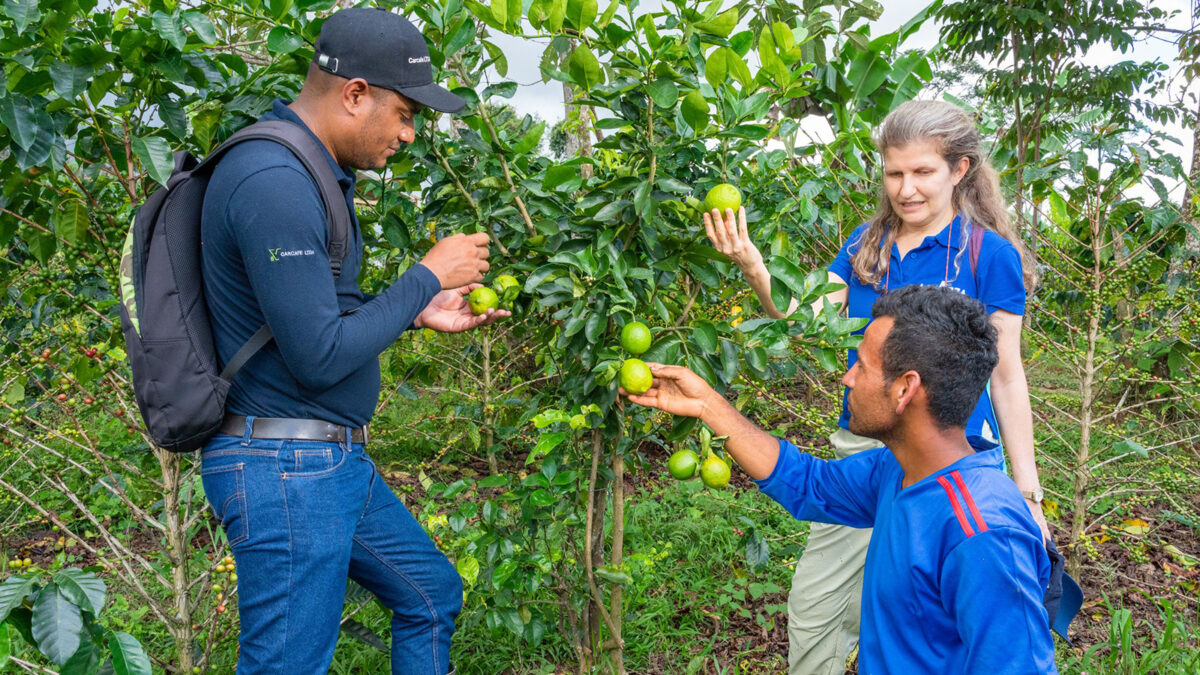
x=293 y=429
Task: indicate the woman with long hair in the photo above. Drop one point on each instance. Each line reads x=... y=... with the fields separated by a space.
x=941 y=220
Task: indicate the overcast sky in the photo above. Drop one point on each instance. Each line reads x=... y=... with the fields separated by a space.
x=545 y=100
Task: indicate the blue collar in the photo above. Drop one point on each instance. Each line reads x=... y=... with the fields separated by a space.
x=280 y=110
x=952 y=234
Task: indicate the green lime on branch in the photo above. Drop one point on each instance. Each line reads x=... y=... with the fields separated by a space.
x=714 y=472
x=721 y=197
x=635 y=338
x=635 y=376
x=482 y=299
x=502 y=285
x=683 y=464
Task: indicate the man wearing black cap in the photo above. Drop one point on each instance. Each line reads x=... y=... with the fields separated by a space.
x=299 y=499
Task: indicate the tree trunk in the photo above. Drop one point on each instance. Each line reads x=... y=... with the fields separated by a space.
x=618 y=554
x=177 y=547
x=579 y=144
x=1087 y=381
x=489 y=414
x=1191 y=243
x=593 y=557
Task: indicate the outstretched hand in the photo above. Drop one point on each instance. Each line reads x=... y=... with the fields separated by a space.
x=448 y=312
x=731 y=237
x=676 y=390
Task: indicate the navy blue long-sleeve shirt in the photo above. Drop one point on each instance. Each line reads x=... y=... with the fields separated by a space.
x=265 y=260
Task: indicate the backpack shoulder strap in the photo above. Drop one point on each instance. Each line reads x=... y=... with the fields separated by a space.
x=310 y=153
x=974 y=244
x=256 y=342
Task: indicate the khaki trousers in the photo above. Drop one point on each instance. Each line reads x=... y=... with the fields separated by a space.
x=823 y=607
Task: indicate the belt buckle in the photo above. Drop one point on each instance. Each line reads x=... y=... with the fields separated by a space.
x=366 y=434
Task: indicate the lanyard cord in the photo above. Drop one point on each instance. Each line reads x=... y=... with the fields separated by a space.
x=887 y=280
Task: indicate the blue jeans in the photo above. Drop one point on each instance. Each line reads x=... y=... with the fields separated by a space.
x=301 y=517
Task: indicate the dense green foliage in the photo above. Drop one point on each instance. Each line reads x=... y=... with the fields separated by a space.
x=510 y=444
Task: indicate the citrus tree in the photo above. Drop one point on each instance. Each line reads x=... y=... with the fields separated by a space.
x=665 y=106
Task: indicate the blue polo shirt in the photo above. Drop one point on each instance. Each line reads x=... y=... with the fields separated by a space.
x=998 y=283
x=956 y=570
x=265 y=260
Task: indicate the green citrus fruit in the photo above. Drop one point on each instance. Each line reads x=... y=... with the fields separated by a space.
x=504 y=281
x=502 y=284
x=482 y=299
x=635 y=337
x=723 y=196
x=635 y=376
x=682 y=464
x=714 y=472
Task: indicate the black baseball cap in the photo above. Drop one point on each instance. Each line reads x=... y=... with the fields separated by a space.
x=384 y=49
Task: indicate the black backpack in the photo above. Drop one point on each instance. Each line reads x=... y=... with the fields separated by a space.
x=179 y=386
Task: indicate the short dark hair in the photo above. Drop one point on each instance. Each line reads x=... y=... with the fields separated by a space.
x=946 y=337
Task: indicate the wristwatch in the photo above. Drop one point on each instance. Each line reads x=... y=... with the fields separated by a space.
x=1035 y=496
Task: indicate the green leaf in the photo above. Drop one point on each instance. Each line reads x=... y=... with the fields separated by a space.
x=282 y=40
x=722 y=25
x=545 y=444
x=663 y=92
x=86 y=660
x=82 y=588
x=22 y=12
x=826 y=357
x=57 y=624
x=758 y=554
x=70 y=221
x=609 y=13
x=786 y=271
x=461 y=37
x=723 y=63
x=395 y=230
x=716 y=67
x=127 y=654
x=13 y=592
x=581 y=13
x=614 y=577
x=493 y=481
x=363 y=634
x=584 y=67
x=204 y=124
x=170 y=28
x=43 y=143
x=69 y=81
x=280 y=8
x=558 y=12
x=782 y=36
x=42 y=245
x=704 y=335
x=13 y=396
x=5 y=645
x=1131 y=446
x=669 y=184
x=201 y=26
x=542 y=498
x=19 y=114
x=155 y=155
x=500 y=12
x=468 y=569
x=695 y=110
x=501 y=89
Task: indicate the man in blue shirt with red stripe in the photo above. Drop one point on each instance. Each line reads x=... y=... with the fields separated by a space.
x=956 y=570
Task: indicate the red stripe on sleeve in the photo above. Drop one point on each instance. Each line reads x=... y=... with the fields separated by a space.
x=958 y=512
x=962 y=487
